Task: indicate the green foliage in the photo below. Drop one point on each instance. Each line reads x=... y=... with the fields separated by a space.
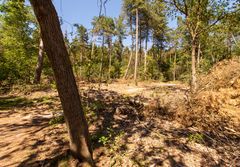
x=104 y=140
x=97 y=106
x=91 y=109
x=13 y=101
x=103 y=46
x=82 y=34
x=17 y=43
x=111 y=136
x=103 y=25
x=197 y=137
x=153 y=71
x=57 y=120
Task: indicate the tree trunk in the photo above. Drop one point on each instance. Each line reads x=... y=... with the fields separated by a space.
x=229 y=46
x=39 y=67
x=93 y=45
x=175 y=64
x=110 y=59
x=101 y=64
x=145 y=62
x=198 y=55
x=194 y=77
x=145 y=55
x=136 y=56
x=131 y=54
x=140 y=44
x=81 y=63
x=57 y=53
x=235 y=41
x=75 y=68
x=213 y=58
x=129 y=63
x=91 y=56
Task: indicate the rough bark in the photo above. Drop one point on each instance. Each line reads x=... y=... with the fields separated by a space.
x=57 y=53
x=38 y=71
x=136 y=56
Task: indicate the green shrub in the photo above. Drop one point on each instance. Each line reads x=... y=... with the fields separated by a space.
x=57 y=120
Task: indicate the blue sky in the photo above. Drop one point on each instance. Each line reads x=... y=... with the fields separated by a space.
x=83 y=11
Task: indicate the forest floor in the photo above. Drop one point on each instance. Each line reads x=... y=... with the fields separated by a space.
x=129 y=125
x=125 y=130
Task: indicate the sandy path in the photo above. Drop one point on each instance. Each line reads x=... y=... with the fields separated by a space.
x=25 y=130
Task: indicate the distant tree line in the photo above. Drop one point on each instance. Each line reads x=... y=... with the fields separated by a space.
x=206 y=32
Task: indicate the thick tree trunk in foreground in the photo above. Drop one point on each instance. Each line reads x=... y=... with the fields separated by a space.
x=136 y=56
x=39 y=67
x=66 y=86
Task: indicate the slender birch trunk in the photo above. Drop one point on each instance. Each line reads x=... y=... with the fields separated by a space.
x=39 y=67
x=136 y=56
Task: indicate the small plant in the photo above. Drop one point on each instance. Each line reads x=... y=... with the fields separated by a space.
x=47 y=100
x=197 y=137
x=57 y=120
x=104 y=140
x=97 y=106
x=93 y=107
x=117 y=142
x=53 y=86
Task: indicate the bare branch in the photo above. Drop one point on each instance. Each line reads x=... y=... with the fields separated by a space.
x=176 y=4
